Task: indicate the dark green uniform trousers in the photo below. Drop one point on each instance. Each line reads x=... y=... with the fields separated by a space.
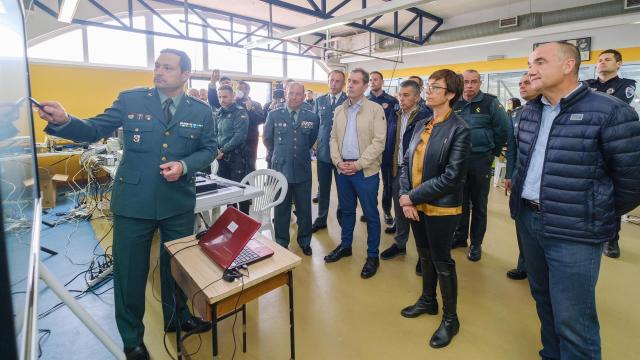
x=131 y=247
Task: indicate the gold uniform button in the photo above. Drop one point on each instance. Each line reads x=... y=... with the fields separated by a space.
x=164 y=158
x=136 y=129
x=165 y=146
x=192 y=136
x=121 y=178
x=167 y=133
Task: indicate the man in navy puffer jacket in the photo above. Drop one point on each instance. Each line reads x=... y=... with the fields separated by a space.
x=578 y=166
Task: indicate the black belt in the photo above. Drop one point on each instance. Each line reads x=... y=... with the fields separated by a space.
x=349 y=159
x=534 y=206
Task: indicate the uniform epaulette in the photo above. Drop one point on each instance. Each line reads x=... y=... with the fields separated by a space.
x=137 y=89
x=198 y=100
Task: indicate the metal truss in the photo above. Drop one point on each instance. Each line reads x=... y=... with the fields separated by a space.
x=424 y=19
x=230 y=37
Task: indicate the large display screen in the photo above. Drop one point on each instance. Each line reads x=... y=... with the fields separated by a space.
x=19 y=189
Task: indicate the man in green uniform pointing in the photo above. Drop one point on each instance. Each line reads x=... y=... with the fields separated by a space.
x=168 y=136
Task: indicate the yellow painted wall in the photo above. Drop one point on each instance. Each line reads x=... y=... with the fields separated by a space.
x=628 y=54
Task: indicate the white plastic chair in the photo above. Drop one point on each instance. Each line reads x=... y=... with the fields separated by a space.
x=274 y=186
x=499 y=172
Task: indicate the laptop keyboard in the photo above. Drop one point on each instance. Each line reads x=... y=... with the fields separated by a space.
x=246 y=256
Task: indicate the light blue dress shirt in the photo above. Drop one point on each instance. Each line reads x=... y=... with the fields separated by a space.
x=531 y=186
x=350 y=147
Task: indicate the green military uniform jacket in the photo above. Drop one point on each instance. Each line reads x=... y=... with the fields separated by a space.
x=290 y=142
x=232 y=125
x=139 y=190
x=487 y=120
x=325 y=111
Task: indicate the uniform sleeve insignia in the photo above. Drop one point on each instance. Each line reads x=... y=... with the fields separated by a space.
x=630 y=92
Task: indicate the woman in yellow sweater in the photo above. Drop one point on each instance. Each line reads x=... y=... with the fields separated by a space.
x=431 y=182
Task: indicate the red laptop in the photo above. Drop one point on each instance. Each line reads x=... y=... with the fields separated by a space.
x=229 y=241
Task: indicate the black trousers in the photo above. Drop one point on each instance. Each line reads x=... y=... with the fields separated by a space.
x=234 y=167
x=387 y=191
x=251 y=151
x=434 y=235
x=476 y=195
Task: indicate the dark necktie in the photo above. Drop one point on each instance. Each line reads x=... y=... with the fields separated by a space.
x=293 y=118
x=333 y=101
x=166 y=109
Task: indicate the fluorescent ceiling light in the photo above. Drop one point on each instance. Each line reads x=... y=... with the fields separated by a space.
x=369 y=12
x=67 y=10
x=456 y=47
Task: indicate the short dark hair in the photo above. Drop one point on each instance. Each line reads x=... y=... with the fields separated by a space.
x=418 y=80
x=336 y=72
x=225 y=88
x=616 y=54
x=515 y=102
x=242 y=82
x=570 y=51
x=412 y=84
x=376 y=72
x=185 y=61
x=453 y=82
x=223 y=78
x=363 y=72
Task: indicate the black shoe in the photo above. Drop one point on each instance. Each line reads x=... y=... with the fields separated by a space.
x=363 y=219
x=418 y=268
x=390 y=230
x=475 y=252
x=392 y=252
x=459 y=244
x=337 y=254
x=307 y=250
x=424 y=305
x=137 y=353
x=193 y=325
x=388 y=219
x=315 y=199
x=611 y=249
x=316 y=227
x=449 y=328
x=515 y=274
x=370 y=267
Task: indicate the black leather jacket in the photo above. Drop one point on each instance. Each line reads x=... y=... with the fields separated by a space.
x=445 y=163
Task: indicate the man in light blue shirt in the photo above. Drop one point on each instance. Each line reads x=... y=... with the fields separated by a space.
x=350 y=149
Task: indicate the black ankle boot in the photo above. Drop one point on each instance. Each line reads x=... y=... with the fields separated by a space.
x=424 y=305
x=449 y=328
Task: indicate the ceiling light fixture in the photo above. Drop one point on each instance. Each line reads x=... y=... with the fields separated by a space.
x=67 y=10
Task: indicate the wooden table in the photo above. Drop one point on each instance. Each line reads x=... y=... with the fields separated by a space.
x=201 y=281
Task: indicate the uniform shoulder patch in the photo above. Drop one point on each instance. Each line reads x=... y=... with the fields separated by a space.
x=630 y=92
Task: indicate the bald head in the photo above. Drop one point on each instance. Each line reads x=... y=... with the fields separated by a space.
x=553 y=69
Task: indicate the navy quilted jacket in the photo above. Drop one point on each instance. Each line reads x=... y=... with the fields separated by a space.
x=591 y=171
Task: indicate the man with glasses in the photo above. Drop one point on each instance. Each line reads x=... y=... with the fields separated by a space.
x=489 y=124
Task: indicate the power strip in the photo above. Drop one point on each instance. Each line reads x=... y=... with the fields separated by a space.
x=105 y=272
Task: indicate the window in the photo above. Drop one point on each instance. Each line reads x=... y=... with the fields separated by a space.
x=118 y=47
x=266 y=63
x=260 y=91
x=299 y=67
x=193 y=48
x=65 y=47
x=505 y=85
x=227 y=58
x=318 y=72
x=632 y=71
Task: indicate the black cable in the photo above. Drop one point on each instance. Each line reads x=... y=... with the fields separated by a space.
x=235 y=316
x=44 y=334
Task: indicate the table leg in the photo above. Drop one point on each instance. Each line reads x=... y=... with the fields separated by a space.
x=214 y=329
x=244 y=328
x=177 y=301
x=291 y=319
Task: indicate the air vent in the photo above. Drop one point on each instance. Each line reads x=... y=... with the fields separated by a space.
x=509 y=22
x=631 y=4
x=495 y=57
